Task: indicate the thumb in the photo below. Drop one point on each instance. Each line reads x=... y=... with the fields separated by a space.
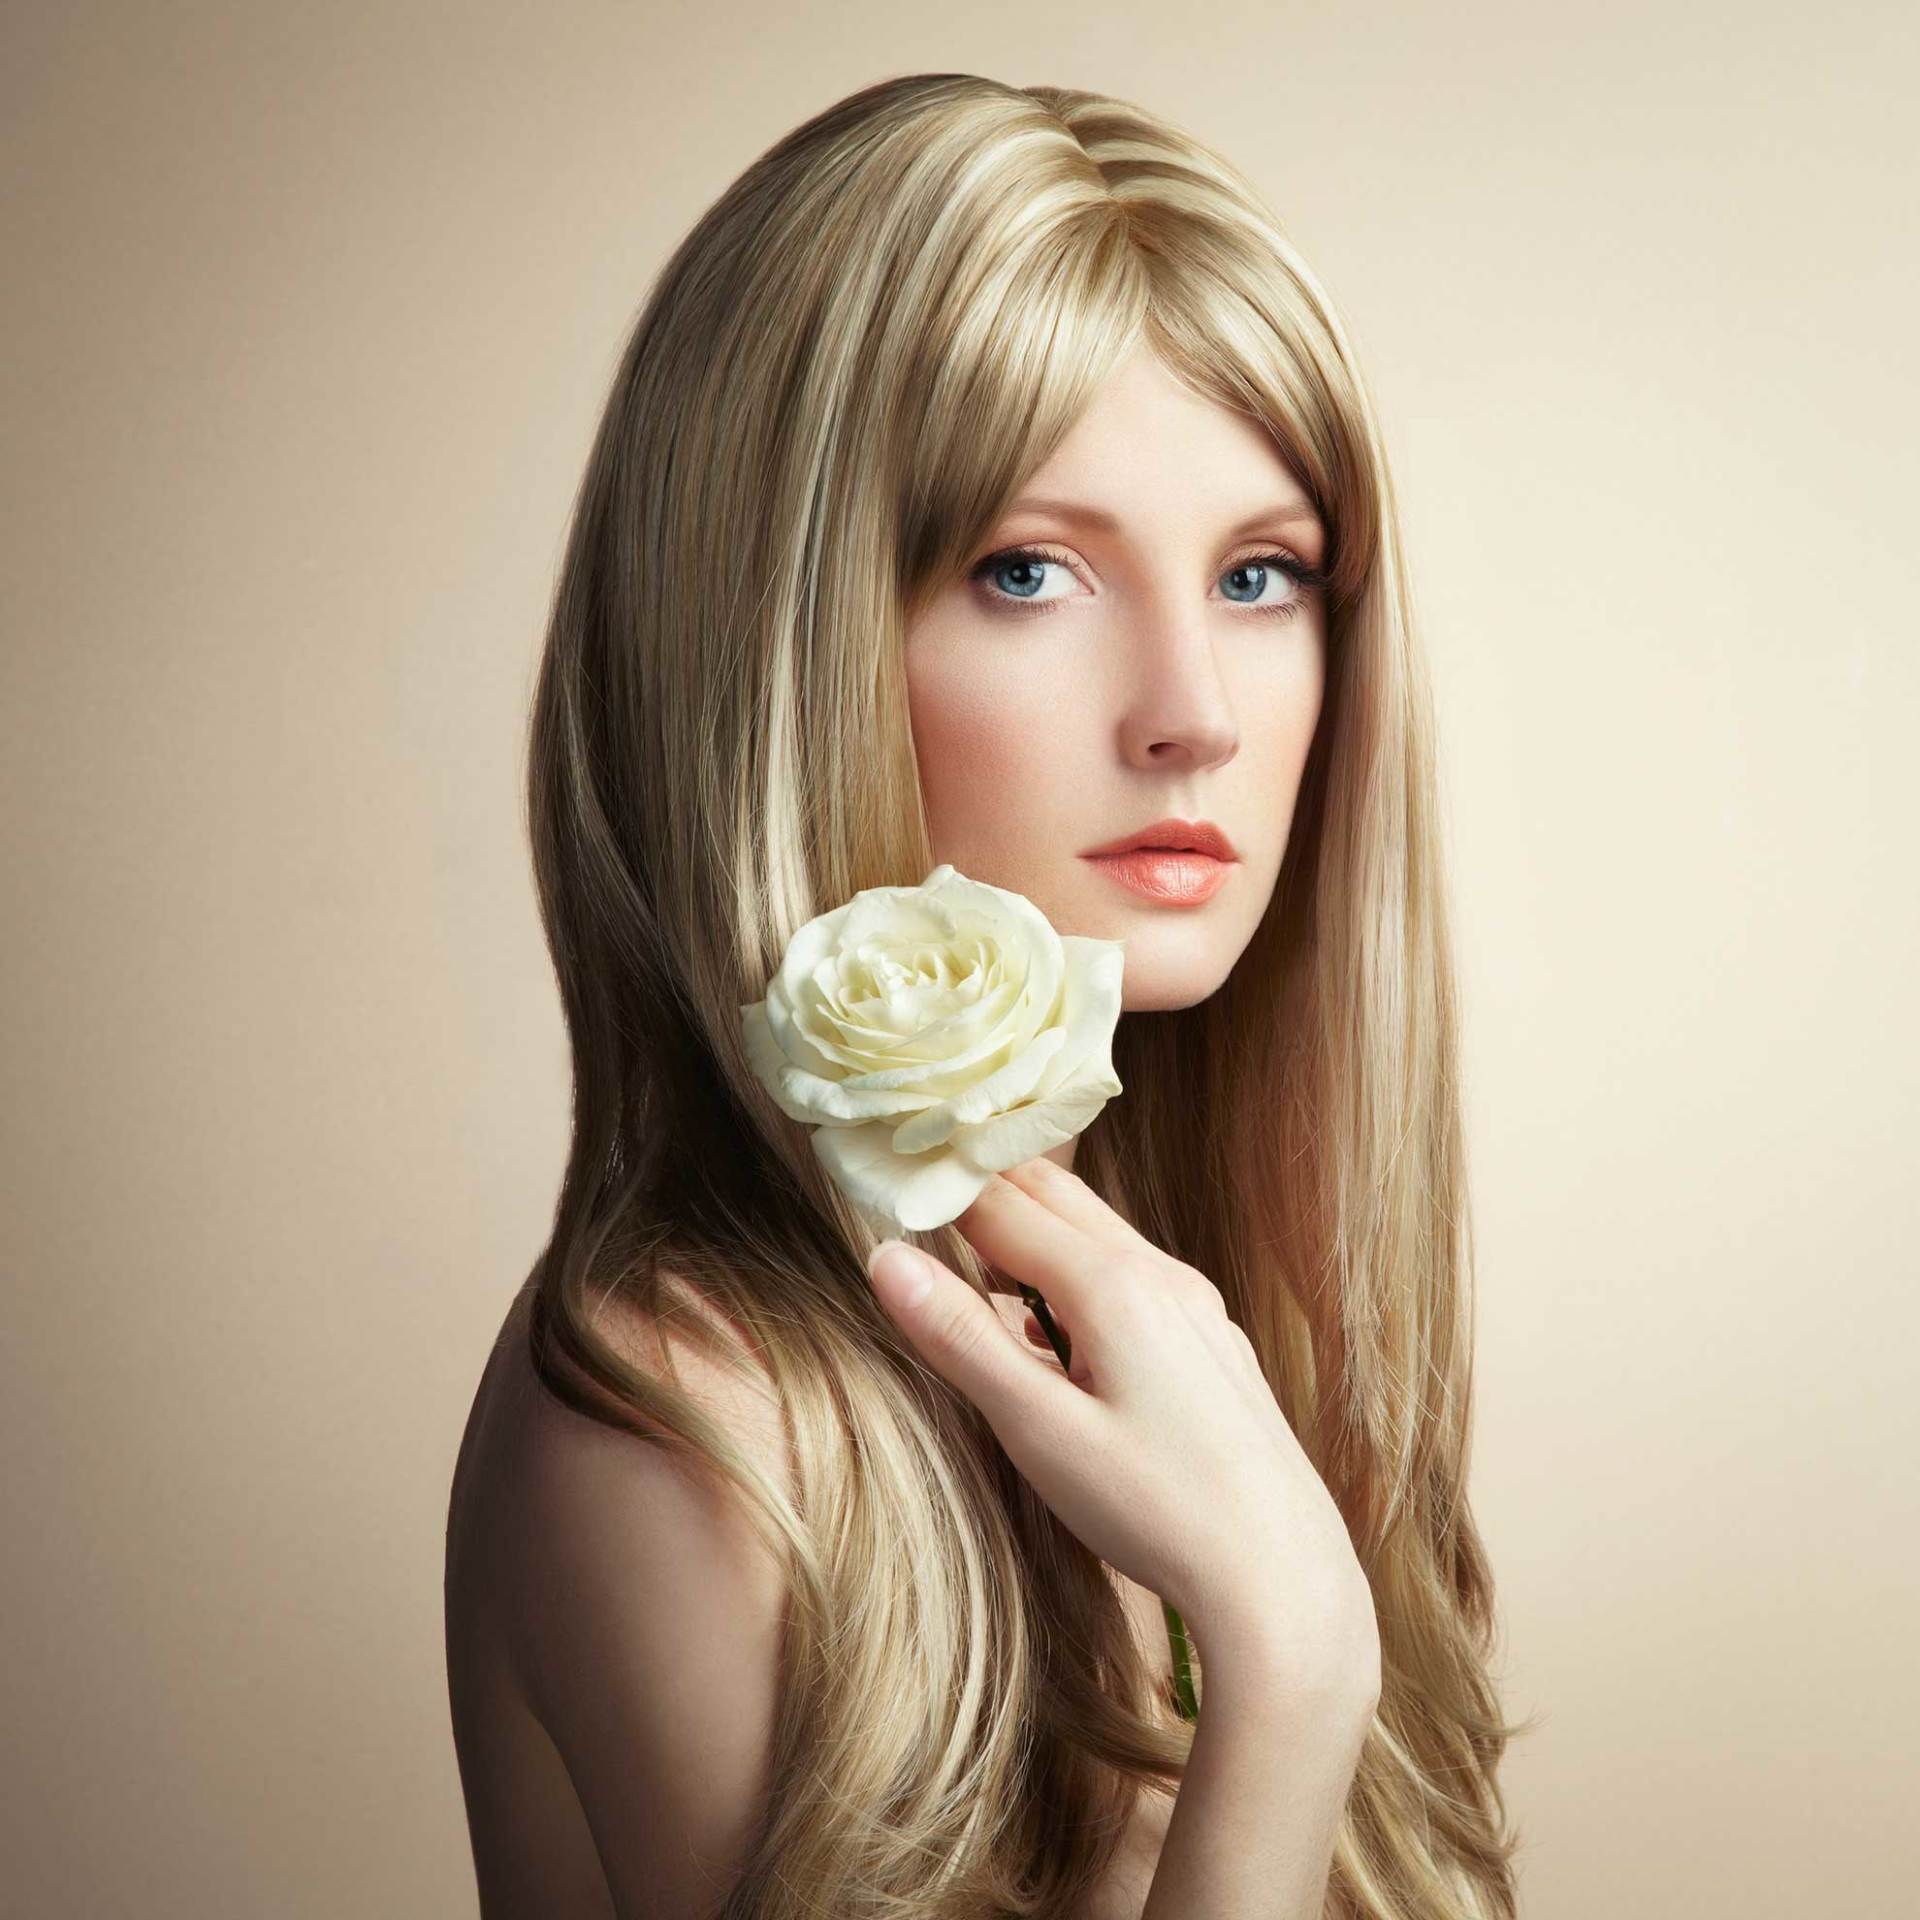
x=958 y=1335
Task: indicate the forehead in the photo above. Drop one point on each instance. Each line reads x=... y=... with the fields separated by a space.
x=1147 y=444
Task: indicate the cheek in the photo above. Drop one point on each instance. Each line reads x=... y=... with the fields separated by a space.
x=1292 y=708
x=987 y=757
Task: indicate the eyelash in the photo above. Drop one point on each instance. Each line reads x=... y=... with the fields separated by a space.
x=1306 y=578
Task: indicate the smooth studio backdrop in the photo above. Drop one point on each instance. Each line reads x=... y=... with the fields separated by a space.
x=307 y=316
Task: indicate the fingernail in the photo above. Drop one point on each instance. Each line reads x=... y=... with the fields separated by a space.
x=902 y=1270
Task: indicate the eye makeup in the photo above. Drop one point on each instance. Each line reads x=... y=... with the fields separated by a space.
x=1307 y=579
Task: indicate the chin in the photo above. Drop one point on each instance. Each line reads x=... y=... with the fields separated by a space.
x=1173 y=961
x=1162 y=990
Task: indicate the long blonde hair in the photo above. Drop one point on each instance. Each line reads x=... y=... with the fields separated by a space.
x=838 y=383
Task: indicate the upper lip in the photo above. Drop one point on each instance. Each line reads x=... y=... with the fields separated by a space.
x=1180 y=836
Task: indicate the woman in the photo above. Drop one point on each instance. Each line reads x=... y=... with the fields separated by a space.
x=986 y=481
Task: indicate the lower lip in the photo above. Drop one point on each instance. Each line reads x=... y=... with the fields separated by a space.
x=1183 y=879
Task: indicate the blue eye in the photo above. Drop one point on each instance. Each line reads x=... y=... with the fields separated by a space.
x=1023 y=596
x=1265 y=565
x=1016 y=560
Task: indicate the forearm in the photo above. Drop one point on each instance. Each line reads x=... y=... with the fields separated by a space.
x=1252 y=1832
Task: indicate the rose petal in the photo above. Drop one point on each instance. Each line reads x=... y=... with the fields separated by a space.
x=808 y=947
x=919 y=1191
x=969 y=1054
x=950 y=1054
x=934 y=1035
x=1079 y=1079
x=770 y=1065
x=821 y=1028
x=995 y=1094
x=810 y=1097
x=1027 y=1132
x=1089 y=1012
x=796 y=1046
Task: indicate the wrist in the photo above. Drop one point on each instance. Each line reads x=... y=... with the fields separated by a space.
x=1252 y=1655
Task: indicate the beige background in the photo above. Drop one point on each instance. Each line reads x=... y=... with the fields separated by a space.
x=308 y=315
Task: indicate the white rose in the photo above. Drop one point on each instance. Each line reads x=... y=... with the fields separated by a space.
x=934 y=1036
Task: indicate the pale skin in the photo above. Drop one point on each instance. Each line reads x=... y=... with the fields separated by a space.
x=1178 y=671
x=1162 y=1449
x=609 y=1774
x=1171 y=673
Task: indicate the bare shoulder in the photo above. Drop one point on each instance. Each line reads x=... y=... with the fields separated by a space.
x=640 y=1608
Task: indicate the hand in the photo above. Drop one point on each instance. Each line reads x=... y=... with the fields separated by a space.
x=1161 y=1447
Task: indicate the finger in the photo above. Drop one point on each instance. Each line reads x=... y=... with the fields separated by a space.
x=1011 y=1230
x=1086 y=1283
x=1061 y=1189
x=1022 y=1320
x=964 y=1341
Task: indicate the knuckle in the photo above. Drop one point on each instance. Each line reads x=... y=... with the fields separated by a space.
x=1198 y=1286
x=965 y=1336
x=1040 y=1175
x=990 y=1198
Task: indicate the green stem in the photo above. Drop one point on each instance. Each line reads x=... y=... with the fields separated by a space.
x=1176 y=1627
x=1182 y=1667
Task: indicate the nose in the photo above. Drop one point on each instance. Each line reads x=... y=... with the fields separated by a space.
x=1178 y=714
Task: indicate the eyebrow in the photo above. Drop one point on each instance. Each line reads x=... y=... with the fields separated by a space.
x=1283 y=512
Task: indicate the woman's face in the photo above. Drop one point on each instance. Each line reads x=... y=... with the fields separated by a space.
x=1147 y=658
